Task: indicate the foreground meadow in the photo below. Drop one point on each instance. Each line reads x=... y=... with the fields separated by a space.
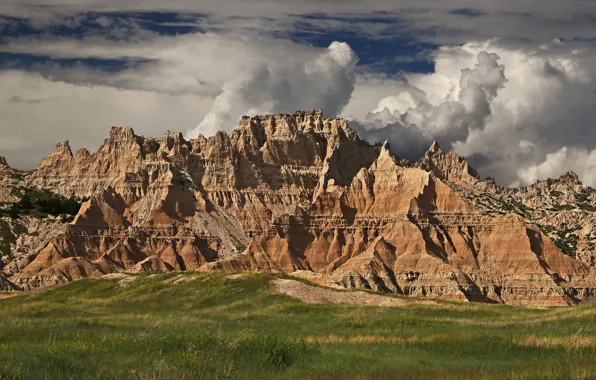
x=213 y=326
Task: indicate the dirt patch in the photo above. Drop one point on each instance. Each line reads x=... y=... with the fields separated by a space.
x=9 y=295
x=180 y=279
x=172 y=280
x=237 y=276
x=123 y=279
x=368 y=339
x=115 y=276
x=316 y=295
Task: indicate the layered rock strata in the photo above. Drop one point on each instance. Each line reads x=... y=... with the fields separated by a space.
x=564 y=209
x=403 y=230
x=302 y=193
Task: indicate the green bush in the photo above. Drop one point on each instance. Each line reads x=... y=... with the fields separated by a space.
x=586 y=206
x=567 y=241
x=581 y=197
x=41 y=203
x=6 y=238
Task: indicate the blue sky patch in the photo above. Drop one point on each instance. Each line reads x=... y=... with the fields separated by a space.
x=37 y=62
x=469 y=12
x=388 y=50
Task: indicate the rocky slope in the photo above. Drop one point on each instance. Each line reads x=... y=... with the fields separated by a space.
x=564 y=208
x=9 y=179
x=302 y=193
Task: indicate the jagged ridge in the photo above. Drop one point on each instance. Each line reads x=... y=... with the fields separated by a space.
x=300 y=193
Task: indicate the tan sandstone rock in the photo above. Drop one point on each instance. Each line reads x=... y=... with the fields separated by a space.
x=301 y=193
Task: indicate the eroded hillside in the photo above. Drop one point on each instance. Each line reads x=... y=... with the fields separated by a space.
x=303 y=193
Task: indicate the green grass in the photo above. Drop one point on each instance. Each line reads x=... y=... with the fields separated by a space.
x=217 y=327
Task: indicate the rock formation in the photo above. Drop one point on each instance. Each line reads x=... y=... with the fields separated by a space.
x=403 y=230
x=564 y=209
x=9 y=179
x=302 y=193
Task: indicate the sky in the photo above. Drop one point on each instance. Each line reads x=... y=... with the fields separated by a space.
x=511 y=85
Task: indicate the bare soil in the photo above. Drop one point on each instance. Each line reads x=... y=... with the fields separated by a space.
x=317 y=295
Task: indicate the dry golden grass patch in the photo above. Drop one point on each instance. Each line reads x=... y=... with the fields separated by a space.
x=573 y=342
x=373 y=339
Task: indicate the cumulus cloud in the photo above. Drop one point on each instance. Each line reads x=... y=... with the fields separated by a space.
x=197 y=64
x=463 y=108
x=324 y=80
x=173 y=83
x=518 y=113
x=582 y=160
x=437 y=106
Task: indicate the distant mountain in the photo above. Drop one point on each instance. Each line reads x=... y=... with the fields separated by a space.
x=300 y=194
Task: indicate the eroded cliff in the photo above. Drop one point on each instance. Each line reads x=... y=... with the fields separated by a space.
x=303 y=193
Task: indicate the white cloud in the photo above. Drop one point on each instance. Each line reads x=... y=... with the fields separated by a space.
x=511 y=108
x=181 y=81
x=369 y=89
x=519 y=114
x=319 y=79
x=196 y=64
x=582 y=161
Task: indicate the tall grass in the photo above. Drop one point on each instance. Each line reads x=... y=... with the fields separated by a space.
x=221 y=328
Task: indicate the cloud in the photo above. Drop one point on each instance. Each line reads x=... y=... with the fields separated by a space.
x=190 y=64
x=320 y=79
x=582 y=160
x=369 y=88
x=518 y=113
x=439 y=21
x=198 y=63
x=437 y=106
x=36 y=113
x=514 y=106
x=177 y=82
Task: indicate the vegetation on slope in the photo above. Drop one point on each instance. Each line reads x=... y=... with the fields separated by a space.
x=41 y=203
x=6 y=238
x=214 y=326
x=567 y=240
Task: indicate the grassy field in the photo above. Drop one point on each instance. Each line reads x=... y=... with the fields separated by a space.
x=217 y=327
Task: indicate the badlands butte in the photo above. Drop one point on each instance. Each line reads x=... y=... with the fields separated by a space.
x=303 y=195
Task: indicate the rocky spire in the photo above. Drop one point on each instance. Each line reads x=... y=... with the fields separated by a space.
x=570 y=177
x=3 y=161
x=120 y=133
x=63 y=148
x=447 y=166
x=386 y=159
x=434 y=147
x=59 y=156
